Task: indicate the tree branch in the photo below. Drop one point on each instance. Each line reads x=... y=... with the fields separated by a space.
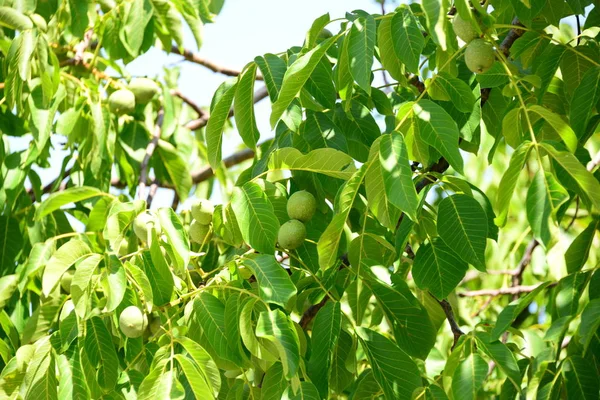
x=149 y=151
x=456 y=331
x=193 y=105
x=197 y=59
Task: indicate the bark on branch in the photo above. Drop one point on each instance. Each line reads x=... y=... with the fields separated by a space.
x=197 y=59
x=514 y=290
x=149 y=151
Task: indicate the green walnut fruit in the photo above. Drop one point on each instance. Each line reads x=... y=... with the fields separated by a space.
x=65 y=281
x=121 y=102
x=123 y=248
x=141 y=224
x=202 y=211
x=39 y=22
x=464 y=29
x=479 y=56
x=325 y=34
x=198 y=232
x=291 y=234
x=143 y=89
x=132 y=322
x=301 y=206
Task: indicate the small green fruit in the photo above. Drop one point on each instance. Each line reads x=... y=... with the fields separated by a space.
x=141 y=223
x=291 y=234
x=132 y=322
x=202 y=211
x=143 y=89
x=65 y=281
x=155 y=324
x=464 y=29
x=301 y=206
x=123 y=248
x=121 y=102
x=479 y=56
x=198 y=232
x=39 y=22
x=325 y=34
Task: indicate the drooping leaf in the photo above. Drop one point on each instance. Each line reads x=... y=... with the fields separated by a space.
x=274 y=284
x=330 y=162
x=578 y=252
x=509 y=181
x=361 y=47
x=276 y=327
x=219 y=112
x=469 y=376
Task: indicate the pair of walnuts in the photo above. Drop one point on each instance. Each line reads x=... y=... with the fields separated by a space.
x=479 y=55
x=301 y=207
x=139 y=91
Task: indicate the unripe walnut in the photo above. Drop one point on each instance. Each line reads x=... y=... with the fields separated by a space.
x=121 y=102
x=132 y=322
x=143 y=89
x=479 y=56
x=140 y=225
x=291 y=234
x=301 y=206
x=464 y=29
x=198 y=232
x=202 y=211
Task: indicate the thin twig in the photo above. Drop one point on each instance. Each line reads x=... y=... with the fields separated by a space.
x=456 y=331
x=197 y=59
x=149 y=151
x=151 y=193
x=193 y=105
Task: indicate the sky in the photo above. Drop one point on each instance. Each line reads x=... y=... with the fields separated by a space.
x=243 y=30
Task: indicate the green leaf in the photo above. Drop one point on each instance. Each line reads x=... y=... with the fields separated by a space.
x=11 y=242
x=120 y=218
x=306 y=391
x=581 y=378
x=502 y=357
x=204 y=362
x=437 y=128
x=544 y=197
x=325 y=333
x=386 y=42
x=177 y=169
x=274 y=284
x=435 y=15
x=243 y=107
x=578 y=252
x=137 y=15
x=413 y=330
x=200 y=387
x=172 y=228
x=584 y=178
x=330 y=162
x=584 y=97
x=558 y=124
x=101 y=352
x=407 y=39
x=13 y=19
x=257 y=220
x=219 y=113
x=437 y=268
x=494 y=77
x=393 y=369
x=590 y=323
x=509 y=181
x=296 y=76
x=315 y=30
x=445 y=87
x=329 y=241
x=361 y=48
x=68 y=254
x=512 y=311
x=462 y=225
x=468 y=378
x=209 y=311
x=157 y=384
x=565 y=299
x=82 y=285
x=377 y=195
x=41 y=375
x=158 y=273
x=274 y=383
x=397 y=174
x=276 y=327
x=71 y=195
x=114 y=283
x=273 y=70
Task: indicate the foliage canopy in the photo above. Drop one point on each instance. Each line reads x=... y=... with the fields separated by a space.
x=450 y=217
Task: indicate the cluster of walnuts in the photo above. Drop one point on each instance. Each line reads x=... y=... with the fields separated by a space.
x=479 y=55
x=139 y=91
x=202 y=213
x=301 y=207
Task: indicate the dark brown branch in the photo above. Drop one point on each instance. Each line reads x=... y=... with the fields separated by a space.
x=197 y=59
x=203 y=120
x=511 y=37
x=149 y=151
x=206 y=172
x=456 y=331
x=311 y=313
x=193 y=105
